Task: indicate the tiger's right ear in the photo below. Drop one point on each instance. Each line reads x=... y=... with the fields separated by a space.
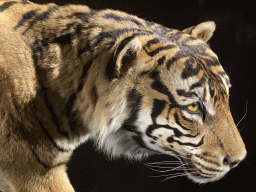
x=125 y=52
x=203 y=30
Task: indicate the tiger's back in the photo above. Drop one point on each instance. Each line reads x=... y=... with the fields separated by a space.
x=70 y=73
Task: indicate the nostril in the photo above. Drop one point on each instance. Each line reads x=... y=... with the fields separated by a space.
x=234 y=164
x=226 y=160
x=230 y=162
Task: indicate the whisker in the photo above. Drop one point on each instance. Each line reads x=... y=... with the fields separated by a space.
x=172 y=174
x=176 y=175
x=181 y=167
x=165 y=162
x=165 y=171
x=154 y=166
x=180 y=155
x=247 y=163
x=202 y=186
x=244 y=114
x=241 y=129
x=178 y=169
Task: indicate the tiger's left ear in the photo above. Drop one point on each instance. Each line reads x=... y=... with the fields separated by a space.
x=203 y=31
x=125 y=52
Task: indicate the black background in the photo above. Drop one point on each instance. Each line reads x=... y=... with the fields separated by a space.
x=234 y=41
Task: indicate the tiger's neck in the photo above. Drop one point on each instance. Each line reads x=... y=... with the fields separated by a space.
x=63 y=59
x=70 y=47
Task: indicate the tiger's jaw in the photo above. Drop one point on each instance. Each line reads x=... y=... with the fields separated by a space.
x=201 y=170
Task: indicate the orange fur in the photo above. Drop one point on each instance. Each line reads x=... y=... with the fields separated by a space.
x=71 y=73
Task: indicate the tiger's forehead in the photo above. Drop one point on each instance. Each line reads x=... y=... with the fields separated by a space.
x=187 y=62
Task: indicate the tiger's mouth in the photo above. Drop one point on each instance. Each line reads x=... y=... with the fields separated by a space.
x=200 y=175
x=203 y=171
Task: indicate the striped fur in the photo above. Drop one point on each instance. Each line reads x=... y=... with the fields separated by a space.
x=70 y=73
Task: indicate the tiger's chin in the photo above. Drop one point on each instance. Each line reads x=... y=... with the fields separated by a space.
x=202 y=179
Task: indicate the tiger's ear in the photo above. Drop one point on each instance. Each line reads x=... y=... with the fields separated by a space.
x=125 y=52
x=203 y=30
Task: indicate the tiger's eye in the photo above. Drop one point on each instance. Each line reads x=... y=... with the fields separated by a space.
x=193 y=107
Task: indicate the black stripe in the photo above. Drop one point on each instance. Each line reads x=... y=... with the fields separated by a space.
x=168 y=114
x=138 y=139
x=64 y=39
x=161 y=60
x=190 y=51
x=25 y=2
x=161 y=30
x=211 y=87
x=175 y=37
x=207 y=160
x=91 y=46
x=31 y=149
x=123 y=43
x=134 y=98
x=149 y=23
x=39 y=161
x=61 y=40
x=71 y=115
x=199 y=83
x=52 y=113
x=171 y=140
x=36 y=48
x=69 y=37
x=178 y=122
x=111 y=68
x=160 y=87
x=6 y=5
x=47 y=133
x=159 y=49
x=189 y=70
x=186 y=119
x=176 y=131
x=207 y=168
x=25 y=136
x=119 y=18
x=200 y=173
x=25 y=17
x=84 y=74
x=182 y=92
x=222 y=73
x=152 y=42
x=158 y=107
x=84 y=16
x=170 y=62
x=210 y=61
x=112 y=35
x=43 y=16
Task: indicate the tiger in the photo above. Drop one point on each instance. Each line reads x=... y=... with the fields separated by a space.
x=69 y=74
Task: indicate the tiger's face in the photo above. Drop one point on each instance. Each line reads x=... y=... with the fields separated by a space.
x=176 y=103
x=190 y=120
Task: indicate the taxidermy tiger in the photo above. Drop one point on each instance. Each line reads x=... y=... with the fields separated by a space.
x=136 y=88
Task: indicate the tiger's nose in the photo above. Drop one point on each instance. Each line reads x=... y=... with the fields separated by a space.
x=231 y=162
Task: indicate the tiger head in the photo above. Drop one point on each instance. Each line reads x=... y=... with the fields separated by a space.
x=169 y=94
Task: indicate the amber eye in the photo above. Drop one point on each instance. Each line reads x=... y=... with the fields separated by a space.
x=194 y=107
